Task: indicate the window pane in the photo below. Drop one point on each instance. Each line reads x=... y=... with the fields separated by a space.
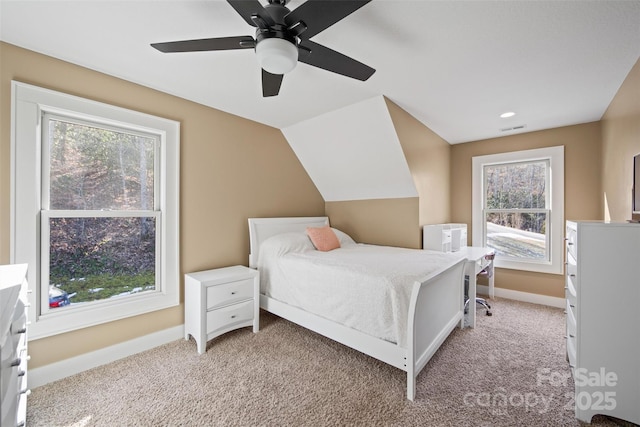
x=516 y=185
x=97 y=258
x=518 y=235
x=96 y=168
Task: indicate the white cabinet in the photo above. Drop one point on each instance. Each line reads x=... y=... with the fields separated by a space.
x=219 y=301
x=13 y=345
x=444 y=237
x=602 y=295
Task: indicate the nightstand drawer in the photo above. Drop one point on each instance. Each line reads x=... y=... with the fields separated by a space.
x=230 y=316
x=229 y=293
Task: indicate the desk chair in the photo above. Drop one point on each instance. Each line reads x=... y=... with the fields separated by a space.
x=480 y=301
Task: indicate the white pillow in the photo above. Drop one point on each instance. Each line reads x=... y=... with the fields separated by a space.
x=343 y=237
x=287 y=242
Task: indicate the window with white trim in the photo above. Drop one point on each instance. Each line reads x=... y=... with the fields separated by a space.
x=95 y=209
x=518 y=210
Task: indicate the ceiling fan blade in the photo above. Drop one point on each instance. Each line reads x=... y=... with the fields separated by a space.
x=220 y=43
x=248 y=8
x=319 y=15
x=271 y=83
x=322 y=57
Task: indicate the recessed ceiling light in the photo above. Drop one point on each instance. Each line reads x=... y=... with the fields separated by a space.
x=507 y=114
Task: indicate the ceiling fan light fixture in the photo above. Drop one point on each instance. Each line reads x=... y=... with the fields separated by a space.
x=277 y=56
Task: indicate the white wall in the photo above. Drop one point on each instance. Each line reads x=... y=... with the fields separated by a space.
x=353 y=153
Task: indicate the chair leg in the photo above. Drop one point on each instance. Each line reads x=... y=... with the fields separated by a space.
x=483 y=302
x=480 y=301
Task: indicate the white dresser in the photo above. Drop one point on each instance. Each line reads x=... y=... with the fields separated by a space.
x=220 y=300
x=602 y=297
x=13 y=345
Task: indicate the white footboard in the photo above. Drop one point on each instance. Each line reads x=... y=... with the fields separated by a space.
x=436 y=308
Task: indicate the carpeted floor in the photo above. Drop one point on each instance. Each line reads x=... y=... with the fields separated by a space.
x=509 y=371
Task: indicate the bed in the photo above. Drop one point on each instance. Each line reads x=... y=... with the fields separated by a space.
x=415 y=296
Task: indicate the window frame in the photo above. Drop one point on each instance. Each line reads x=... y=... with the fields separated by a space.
x=30 y=104
x=554 y=206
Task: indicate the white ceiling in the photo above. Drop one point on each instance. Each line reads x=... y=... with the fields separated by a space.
x=454 y=65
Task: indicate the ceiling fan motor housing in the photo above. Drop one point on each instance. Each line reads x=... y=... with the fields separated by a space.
x=276 y=46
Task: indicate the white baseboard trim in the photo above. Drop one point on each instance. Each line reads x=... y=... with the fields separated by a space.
x=65 y=368
x=523 y=296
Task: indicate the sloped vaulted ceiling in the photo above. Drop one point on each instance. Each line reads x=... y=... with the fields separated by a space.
x=353 y=153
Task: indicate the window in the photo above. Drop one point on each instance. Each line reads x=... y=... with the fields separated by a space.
x=518 y=210
x=98 y=213
x=101 y=234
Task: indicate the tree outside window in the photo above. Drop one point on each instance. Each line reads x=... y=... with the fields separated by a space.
x=516 y=209
x=99 y=214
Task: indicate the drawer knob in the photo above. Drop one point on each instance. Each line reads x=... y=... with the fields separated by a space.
x=16 y=362
x=233 y=316
x=572 y=275
x=233 y=292
x=21 y=331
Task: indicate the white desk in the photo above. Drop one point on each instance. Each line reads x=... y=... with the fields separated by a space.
x=477 y=260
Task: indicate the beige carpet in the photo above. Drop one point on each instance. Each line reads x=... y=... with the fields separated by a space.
x=495 y=375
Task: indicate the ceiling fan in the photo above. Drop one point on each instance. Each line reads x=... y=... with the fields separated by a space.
x=282 y=39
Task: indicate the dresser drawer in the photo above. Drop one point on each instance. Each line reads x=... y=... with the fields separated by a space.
x=571 y=334
x=570 y=293
x=229 y=293
x=571 y=321
x=229 y=317
x=572 y=241
x=571 y=353
x=572 y=282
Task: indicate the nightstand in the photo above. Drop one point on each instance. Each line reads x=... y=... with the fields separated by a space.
x=220 y=300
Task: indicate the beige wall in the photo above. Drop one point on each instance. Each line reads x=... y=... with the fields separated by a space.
x=620 y=142
x=583 y=195
x=392 y=222
x=428 y=157
x=397 y=222
x=231 y=169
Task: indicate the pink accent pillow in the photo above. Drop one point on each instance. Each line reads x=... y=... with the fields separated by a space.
x=323 y=238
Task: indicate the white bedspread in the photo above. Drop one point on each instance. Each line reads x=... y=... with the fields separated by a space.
x=365 y=287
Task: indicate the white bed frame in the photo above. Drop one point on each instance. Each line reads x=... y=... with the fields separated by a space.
x=435 y=309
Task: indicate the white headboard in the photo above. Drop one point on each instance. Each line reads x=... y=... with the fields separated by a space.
x=261 y=229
